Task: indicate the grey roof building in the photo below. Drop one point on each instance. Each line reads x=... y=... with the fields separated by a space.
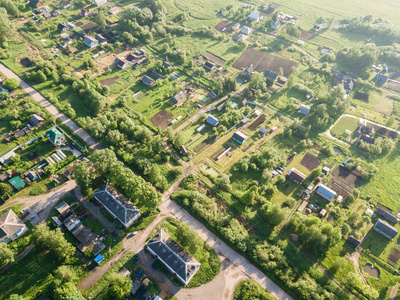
x=271 y=75
x=155 y=75
x=213 y=121
x=385 y=229
x=148 y=81
x=386 y=215
x=36 y=120
x=304 y=109
x=173 y=256
x=117 y=205
x=178 y=97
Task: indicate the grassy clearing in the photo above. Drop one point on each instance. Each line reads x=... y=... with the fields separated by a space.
x=345 y=123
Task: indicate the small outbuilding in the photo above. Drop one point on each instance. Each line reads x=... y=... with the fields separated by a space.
x=304 y=109
x=213 y=121
x=239 y=137
x=326 y=192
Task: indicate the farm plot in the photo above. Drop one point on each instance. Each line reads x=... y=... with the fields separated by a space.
x=384 y=106
x=253 y=126
x=305 y=35
x=223 y=26
x=262 y=61
x=345 y=123
x=89 y=26
x=345 y=181
x=361 y=96
x=394 y=256
x=394 y=85
x=109 y=81
x=215 y=59
x=161 y=119
x=310 y=161
x=205 y=143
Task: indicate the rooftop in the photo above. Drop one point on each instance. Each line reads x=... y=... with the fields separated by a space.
x=173 y=256
x=117 y=205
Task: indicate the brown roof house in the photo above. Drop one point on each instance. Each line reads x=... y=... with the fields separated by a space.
x=11 y=227
x=296 y=176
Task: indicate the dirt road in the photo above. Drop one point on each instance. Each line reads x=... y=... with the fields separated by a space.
x=52 y=109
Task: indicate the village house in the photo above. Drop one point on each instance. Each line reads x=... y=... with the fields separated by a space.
x=254 y=17
x=212 y=95
x=156 y=75
x=173 y=256
x=100 y=38
x=381 y=78
x=47 y=15
x=349 y=85
x=246 y=73
x=65 y=4
x=122 y=62
x=246 y=30
x=296 y=176
x=271 y=75
x=236 y=26
x=388 y=216
x=36 y=3
x=263 y=131
x=276 y=25
x=367 y=139
x=148 y=81
x=385 y=229
x=84 y=13
x=213 y=121
x=326 y=192
x=17 y=183
x=114 y=10
x=239 y=137
x=90 y=41
x=304 y=109
x=209 y=66
x=99 y=2
x=56 y=137
x=62 y=27
x=117 y=205
x=184 y=150
x=11 y=227
x=179 y=97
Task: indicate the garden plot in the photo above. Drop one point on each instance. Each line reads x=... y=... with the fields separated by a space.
x=310 y=161
x=305 y=35
x=223 y=26
x=394 y=85
x=394 y=256
x=208 y=141
x=161 y=119
x=385 y=132
x=215 y=59
x=89 y=26
x=345 y=181
x=109 y=81
x=361 y=96
x=262 y=61
x=253 y=126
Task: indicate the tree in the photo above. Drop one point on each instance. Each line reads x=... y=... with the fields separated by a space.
x=257 y=81
x=7 y=28
x=6 y=191
x=11 y=7
x=62 y=290
x=11 y=83
x=7 y=255
x=248 y=197
x=223 y=182
x=276 y=215
x=16 y=297
x=50 y=169
x=119 y=286
x=101 y=18
x=84 y=175
x=40 y=76
x=188 y=238
x=65 y=274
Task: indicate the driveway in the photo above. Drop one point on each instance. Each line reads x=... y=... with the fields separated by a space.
x=35 y=95
x=42 y=205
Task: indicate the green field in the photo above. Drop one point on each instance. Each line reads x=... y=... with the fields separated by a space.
x=345 y=123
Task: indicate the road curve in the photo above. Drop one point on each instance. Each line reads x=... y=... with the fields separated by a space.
x=35 y=95
x=239 y=263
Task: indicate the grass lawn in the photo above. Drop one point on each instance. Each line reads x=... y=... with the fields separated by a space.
x=210 y=262
x=345 y=123
x=30 y=275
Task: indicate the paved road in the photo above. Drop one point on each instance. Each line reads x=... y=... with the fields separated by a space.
x=52 y=109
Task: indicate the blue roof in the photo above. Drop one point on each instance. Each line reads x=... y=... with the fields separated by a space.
x=326 y=192
x=212 y=120
x=99 y=258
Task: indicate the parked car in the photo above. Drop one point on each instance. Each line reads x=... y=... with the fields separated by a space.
x=139 y=273
x=132 y=234
x=135 y=259
x=84 y=217
x=82 y=212
x=114 y=233
x=32 y=217
x=154 y=267
x=105 y=235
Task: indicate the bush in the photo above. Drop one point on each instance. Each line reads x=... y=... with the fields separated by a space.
x=11 y=83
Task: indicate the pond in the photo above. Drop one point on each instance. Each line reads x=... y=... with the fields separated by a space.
x=371 y=270
x=338 y=151
x=26 y=62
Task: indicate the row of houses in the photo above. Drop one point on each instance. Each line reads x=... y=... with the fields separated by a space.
x=34 y=121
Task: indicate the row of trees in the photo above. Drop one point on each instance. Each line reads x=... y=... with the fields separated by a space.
x=105 y=163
